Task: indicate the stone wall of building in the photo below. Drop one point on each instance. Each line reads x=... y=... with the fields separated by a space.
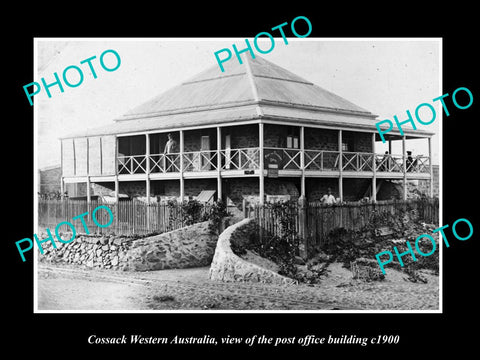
x=275 y=135
x=355 y=189
x=242 y=136
x=245 y=136
x=49 y=179
x=192 y=139
x=390 y=189
x=237 y=189
x=248 y=188
x=321 y=139
x=424 y=185
x=316 y=188
x=362 y=141
x=193 y=187
x=130 y=188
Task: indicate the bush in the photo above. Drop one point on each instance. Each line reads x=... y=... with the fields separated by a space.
x=280 y=248
x=191 y=212
x=215 y=215
x=348 y=245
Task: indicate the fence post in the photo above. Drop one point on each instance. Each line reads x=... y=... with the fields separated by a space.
x=302 y=227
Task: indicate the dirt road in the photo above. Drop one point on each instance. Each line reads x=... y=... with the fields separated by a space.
x=68 y=288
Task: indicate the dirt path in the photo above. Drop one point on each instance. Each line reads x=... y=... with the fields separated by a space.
x=68 y=288
x=65 y=288
x=57 y=293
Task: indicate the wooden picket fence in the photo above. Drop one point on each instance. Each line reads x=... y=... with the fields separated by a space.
x=314 y=220
x=129 y=216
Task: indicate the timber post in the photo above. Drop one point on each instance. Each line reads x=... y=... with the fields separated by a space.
x=302 y=227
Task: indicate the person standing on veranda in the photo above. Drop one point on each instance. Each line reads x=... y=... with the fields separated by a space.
x=170 y=148
x=328 y=198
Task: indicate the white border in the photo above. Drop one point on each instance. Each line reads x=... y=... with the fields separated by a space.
x=35 y=196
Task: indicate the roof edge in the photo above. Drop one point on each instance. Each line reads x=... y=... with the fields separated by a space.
x=259 y=102
x=193 y=109
x=319 y=108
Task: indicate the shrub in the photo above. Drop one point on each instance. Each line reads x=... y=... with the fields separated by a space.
x=282 y=247
x=215 y=215
x=191 y=212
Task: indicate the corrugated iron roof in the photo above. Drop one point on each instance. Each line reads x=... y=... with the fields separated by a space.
x=258 y=89
x=203 y=118
x=213 y=88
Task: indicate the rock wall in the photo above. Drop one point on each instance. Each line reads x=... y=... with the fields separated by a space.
x=226 y=266
x=93 y=251
x=191 y=246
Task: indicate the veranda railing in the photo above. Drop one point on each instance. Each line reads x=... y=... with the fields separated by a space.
x=284 y=158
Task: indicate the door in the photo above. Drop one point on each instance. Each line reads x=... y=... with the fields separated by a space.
x=227 y=152
x=205 y=153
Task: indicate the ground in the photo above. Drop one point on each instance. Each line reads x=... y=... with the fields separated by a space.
x=70 y=288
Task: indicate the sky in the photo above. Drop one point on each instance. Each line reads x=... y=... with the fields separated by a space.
x=384 y=76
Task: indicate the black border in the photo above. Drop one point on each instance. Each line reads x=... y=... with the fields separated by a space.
x=426 y=333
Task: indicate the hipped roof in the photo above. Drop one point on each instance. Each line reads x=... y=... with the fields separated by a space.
x=256 y=89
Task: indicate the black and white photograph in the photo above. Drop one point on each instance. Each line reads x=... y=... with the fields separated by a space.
x=171 y=179
x=223 y=180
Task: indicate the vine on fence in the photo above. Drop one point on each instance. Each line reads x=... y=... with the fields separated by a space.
x=193 y=211
x=281 y=247
x=216 y=214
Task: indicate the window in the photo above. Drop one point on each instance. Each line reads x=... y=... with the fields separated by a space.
x=292 y=137
x=292 y=142
x=295 y=142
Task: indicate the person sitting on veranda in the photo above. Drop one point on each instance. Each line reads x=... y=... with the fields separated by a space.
x=328 y=198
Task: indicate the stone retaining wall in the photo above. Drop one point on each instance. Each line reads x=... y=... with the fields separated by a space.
x=99 y=251
x=226 y=266
x=191 y=246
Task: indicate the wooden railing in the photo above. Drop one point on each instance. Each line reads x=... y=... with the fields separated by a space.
x=389 y=163
x=284 y=158
x=163 y=163
x=240 y=159
x=357 y=161
x=321 y=160
x=394 y=163
x=132 y=164
x=418 y=164
x=200 y=160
